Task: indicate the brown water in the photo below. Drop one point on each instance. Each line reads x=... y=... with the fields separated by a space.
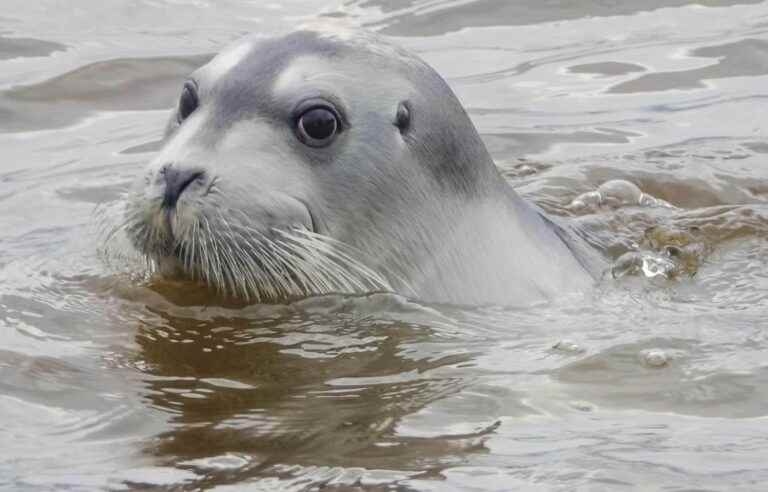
x=107 y=382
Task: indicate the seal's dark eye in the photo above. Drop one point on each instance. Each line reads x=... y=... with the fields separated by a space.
x=403 y=116
x=316 y=127
x=188 y=101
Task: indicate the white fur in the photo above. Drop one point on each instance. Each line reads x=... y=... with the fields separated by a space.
x=223 y=63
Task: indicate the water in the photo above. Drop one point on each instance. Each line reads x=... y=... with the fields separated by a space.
x=657 y=380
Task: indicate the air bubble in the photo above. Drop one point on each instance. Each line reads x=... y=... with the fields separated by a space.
x=568 y=346
x=614 y=194
x=654 y=358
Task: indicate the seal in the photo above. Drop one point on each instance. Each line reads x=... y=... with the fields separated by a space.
x=332 y=161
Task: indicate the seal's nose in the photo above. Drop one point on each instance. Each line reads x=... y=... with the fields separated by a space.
x=176 y=181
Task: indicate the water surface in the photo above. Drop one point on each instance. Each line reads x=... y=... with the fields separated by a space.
x=107 y=382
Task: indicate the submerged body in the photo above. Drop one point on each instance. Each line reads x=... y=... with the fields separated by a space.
x=332 y=161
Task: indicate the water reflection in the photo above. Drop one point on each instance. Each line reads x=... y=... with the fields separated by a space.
x=320 y=382
x=746 y=58
x=424 y=18
x=114 y=85
x=12 y=47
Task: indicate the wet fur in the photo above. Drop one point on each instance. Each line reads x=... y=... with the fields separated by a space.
x=419 y=210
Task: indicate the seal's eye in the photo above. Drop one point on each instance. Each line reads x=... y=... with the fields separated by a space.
x=188 y=101
x=317 y=126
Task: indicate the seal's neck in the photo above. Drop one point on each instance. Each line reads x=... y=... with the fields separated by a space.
x=495 y=249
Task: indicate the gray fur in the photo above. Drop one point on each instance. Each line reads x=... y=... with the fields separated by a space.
x=422 y=204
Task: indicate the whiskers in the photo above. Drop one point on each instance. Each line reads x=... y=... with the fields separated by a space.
x=224 y=250
x=118 y=232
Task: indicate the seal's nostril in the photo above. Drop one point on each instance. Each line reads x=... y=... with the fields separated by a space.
x=176 y=181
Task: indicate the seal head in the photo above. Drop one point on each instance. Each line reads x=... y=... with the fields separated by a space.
x=333 y=161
